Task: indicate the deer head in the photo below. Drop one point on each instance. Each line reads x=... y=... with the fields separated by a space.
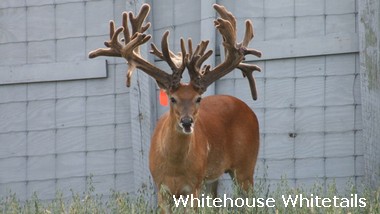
x=185 y=98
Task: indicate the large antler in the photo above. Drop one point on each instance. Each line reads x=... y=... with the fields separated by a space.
x=234 y=54
x=201 y=78
x=129 y=48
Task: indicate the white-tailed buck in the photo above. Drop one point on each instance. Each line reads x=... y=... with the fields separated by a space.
x=198 y=139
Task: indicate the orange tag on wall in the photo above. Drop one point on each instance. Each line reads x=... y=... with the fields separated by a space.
x=164 y=100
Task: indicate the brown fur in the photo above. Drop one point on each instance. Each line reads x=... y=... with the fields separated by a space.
x=225 y=139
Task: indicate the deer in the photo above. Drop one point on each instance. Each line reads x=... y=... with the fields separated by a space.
x=198 y=139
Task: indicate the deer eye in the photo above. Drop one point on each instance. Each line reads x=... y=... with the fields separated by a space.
x=198 y=100
x=173 y=100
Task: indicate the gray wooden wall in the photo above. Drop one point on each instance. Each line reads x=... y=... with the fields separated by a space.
x=64 y=117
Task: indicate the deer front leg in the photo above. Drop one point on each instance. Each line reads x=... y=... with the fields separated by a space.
x=212 y=188
x=163 y=203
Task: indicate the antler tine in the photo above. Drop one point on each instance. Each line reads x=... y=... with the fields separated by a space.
x=127 y=39
x=156 y=52
x=199 y=57
x=247 y=70
x=137 y=21
x=202 y=59
x=228 y=32
x=160 y=55
x=248 y=36
x=249 y=33
x=190 y=44
x=226 y=25
x=196 y=60
x=166 y=52
x=226 y=15
x=113 y=45
x=184 y=55
x=127 y=35
x=177 y=63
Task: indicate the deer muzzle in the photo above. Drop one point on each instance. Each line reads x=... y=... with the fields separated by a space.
x=187 y=123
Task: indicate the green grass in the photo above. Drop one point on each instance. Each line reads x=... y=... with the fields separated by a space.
x=89 y=202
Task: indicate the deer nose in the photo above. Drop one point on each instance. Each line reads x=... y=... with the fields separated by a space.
x=187 y=121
